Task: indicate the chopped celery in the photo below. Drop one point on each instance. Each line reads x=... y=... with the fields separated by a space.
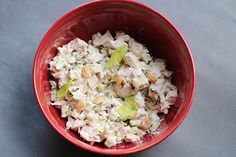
x=117 y=57
x=128 y=109
x=62 y=92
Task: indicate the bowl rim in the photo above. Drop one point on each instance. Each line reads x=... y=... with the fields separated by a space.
x=118 y=151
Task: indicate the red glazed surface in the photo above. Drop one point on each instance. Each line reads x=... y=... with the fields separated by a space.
x=145 y=25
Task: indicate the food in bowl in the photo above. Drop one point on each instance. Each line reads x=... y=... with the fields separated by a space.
x=110 y=89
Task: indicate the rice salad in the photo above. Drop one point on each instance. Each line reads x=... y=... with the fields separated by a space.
x=110 y=89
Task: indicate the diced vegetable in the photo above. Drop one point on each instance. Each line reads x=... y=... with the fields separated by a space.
x=62 y=92
x=128 y=109
x=117 y=57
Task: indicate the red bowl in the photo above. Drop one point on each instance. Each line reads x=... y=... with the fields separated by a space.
x=147 y=26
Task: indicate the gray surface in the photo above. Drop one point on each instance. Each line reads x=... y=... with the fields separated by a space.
x=209 y=26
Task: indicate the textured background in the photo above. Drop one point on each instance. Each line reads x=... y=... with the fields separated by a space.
x=209 y=130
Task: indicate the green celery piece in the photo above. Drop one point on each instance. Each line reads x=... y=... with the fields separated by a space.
x=62 y=92
x=117 y=57
x=128 y=109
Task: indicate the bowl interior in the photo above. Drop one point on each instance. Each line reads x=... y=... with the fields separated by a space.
x=146 y=26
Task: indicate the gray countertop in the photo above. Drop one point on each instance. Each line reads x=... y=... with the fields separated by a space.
x=209 y=129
